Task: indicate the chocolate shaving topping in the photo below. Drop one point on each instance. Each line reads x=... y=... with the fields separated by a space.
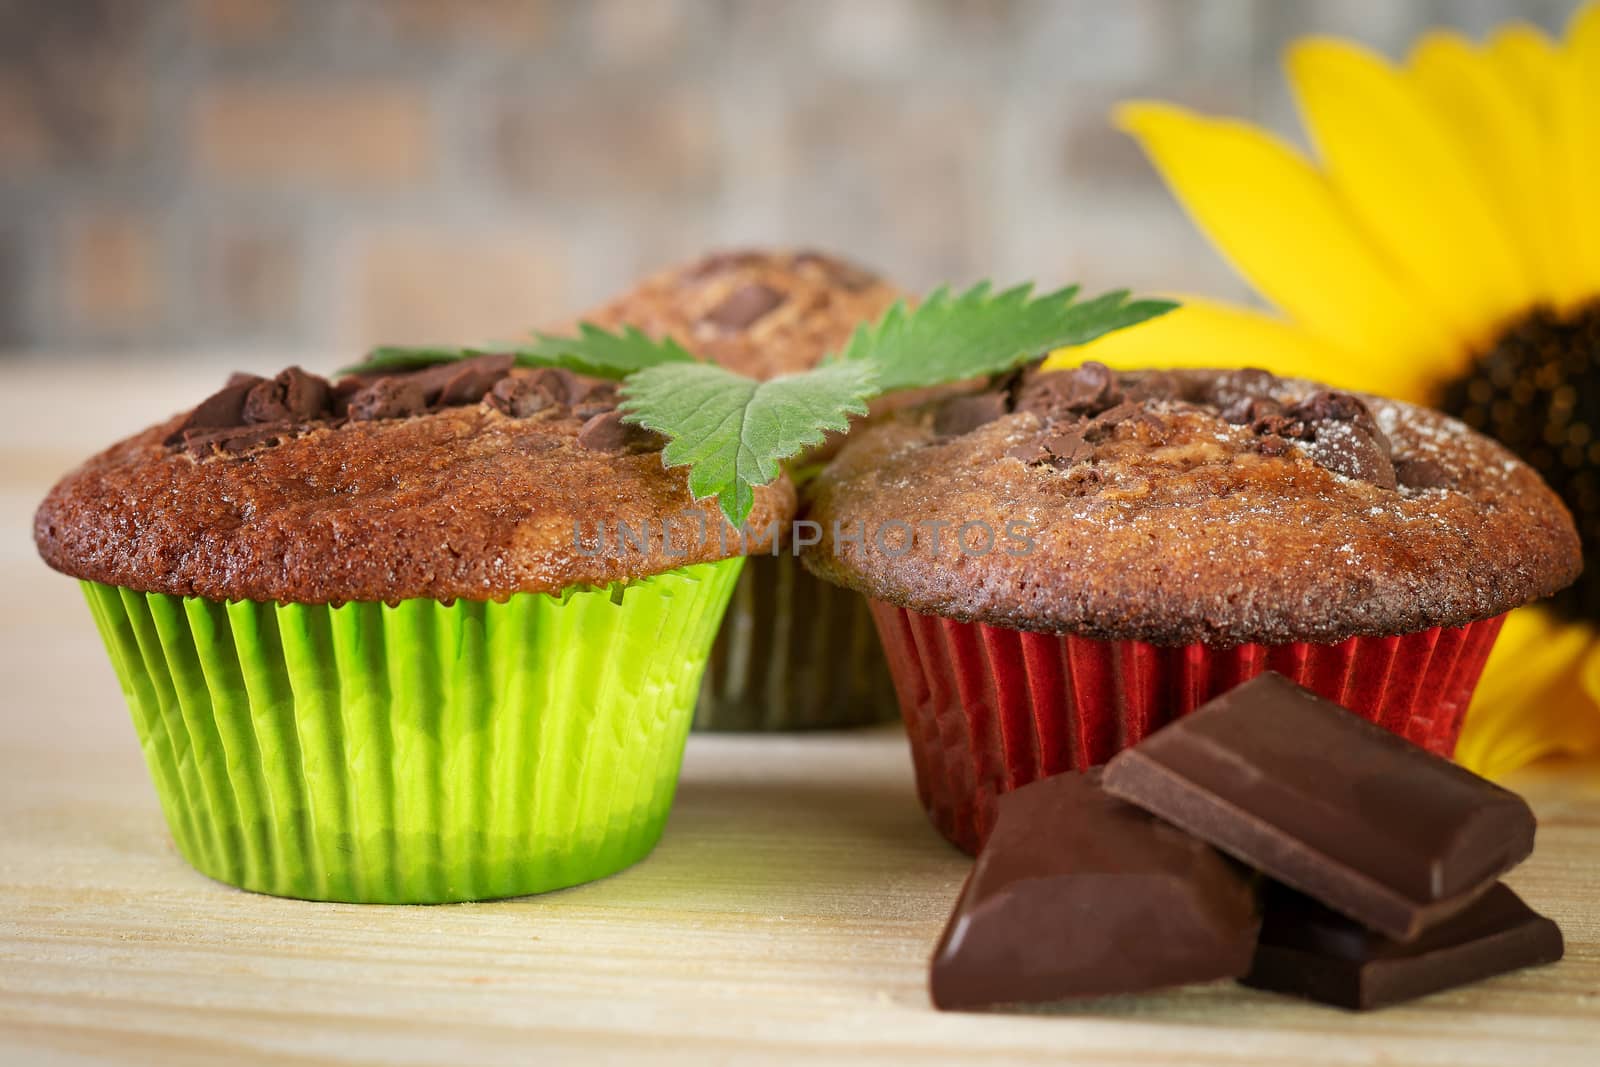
x=1327 y=405
x=1283 y=426
x=225 y=407
x=744 y=306
x=563 y=386
x=293 y=395
x=1243 y=384
x=1087 y=390
x=1419 y=473
x=1346 y=449
x=596 y=400
x=251 y=410
x=1155 y=385
x=463 y=382
x=1068 y=448
x=521 y=397
x=1112 y=416
x=1250 y=410
x=1090 y=386
x=441 y=385
x=1345 y=438
x=963 y=414
x=473 y=380
x=607 y=432
x=389 y=398
x=1335 y=429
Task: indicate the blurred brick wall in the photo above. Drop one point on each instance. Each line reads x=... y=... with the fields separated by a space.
x=323 y=174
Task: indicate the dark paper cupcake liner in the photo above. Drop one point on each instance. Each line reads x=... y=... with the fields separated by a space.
x=988 y=709
x=418 y=753
x=794 y=653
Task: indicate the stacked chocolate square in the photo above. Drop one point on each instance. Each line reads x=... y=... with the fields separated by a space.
x=1271 y=836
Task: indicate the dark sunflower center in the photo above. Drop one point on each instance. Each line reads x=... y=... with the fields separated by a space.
x=1537 y=390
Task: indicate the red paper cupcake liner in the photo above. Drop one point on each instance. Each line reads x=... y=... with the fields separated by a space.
x=989 y=709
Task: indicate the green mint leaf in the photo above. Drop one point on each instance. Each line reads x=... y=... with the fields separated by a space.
x=602 y=354
x=595 y=352
x=979 y=332
x=402 y=358
x=734 y=432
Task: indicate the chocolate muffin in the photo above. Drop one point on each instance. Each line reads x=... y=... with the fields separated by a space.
x=794 y=653
x=1063 y=562
x=410 y=637
x=760 y=312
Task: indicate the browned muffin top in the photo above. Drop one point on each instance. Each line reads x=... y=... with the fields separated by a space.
x=466 y=480
x=761 y=313
x=1224 y=507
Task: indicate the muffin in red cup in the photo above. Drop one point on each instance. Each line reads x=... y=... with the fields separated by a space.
x=1065 y=561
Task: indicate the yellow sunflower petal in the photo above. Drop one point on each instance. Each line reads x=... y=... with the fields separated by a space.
x=1277 y=221
x=1388 y=159
x=1533 y=700
x=1206 y=333
x=1589 y=676
x=1578 y=128
x=1494 y=128
x=1526 y=59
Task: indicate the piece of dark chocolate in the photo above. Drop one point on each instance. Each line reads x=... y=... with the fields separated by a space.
x=963 y=414
x=745 y=306
x=606 y=432
x=521 y=397
x=1079 y=894
x=223 y=408
x=293 y=395
x=460 y=382
x=394 y=397
x=1083 y=390
x=1421 y=473
x=1369 y=824
x=1309 y=951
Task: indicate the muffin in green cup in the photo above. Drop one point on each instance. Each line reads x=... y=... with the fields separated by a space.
x=419 y=636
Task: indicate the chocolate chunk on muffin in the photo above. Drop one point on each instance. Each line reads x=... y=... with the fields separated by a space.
x=1108 y=550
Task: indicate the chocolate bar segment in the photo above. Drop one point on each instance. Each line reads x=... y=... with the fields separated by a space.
x=1311 y=794
x=1309 y=951
x=1078 y=894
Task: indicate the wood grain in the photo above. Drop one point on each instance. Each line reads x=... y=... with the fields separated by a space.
x=786 y=917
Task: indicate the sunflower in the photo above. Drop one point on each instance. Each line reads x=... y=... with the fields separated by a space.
x=1441 y=246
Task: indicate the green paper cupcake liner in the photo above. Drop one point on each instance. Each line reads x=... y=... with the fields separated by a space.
x=419 y=753
x=795 y=653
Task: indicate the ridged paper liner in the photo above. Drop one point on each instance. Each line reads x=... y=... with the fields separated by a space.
x=795 y=653
x=989 y=709
x=422 y=752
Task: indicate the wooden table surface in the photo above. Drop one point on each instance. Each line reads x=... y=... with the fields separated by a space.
x=787 y=916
